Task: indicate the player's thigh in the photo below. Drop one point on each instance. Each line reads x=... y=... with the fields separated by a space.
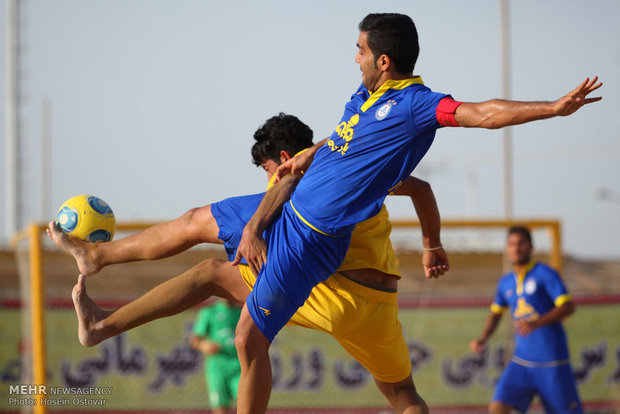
x=557 y=389
x=515 y=387
x=378 y=343
x=201 y=225
x=222 y=279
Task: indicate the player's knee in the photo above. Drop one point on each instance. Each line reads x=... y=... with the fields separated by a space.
x=402 y=394
x=204 y=271
x=189 y=215
x=243 y=341
x=249 y=341
x=209 y=272
x=497 y=407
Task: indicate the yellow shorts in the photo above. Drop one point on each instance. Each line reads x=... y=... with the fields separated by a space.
x=363 y=320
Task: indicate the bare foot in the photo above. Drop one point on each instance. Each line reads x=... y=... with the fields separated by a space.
x=88 y=313
x=80 y=250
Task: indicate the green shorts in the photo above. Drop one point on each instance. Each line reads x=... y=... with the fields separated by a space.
x=222 y=375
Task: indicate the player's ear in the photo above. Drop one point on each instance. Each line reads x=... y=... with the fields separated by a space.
x=383 y=63
x=284 y=156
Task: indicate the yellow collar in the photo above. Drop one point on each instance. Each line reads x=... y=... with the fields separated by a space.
x=387 y=85
x=521 y=276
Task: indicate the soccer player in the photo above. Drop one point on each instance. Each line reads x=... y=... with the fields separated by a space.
x=538 y=302
x=357 y=305
x=214 y=336
x=387 y=127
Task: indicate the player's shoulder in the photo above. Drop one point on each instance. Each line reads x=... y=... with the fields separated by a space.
x=506 y=277
x=361 y=93
x=544 y=270
x=421 y=96
x=506 y=282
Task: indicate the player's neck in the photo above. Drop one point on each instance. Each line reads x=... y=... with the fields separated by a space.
x=520 y=268
x=391 y=75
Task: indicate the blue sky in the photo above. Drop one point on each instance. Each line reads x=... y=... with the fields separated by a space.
x=154 y=103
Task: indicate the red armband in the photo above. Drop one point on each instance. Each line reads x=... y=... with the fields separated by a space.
x=445 y=112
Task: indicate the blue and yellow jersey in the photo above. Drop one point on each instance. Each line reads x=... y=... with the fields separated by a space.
x=377 y=144
x=370 y=247
x=528 y=295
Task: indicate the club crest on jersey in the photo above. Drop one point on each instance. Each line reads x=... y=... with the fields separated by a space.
x=530 y=286
x=383 y=111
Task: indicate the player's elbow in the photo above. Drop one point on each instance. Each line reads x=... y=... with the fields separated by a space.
x=422 y=185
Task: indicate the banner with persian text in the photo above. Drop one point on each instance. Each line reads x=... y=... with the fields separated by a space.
x=154 y=368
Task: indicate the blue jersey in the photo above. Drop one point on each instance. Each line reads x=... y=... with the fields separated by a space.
x=528 y=296
x=378 y=143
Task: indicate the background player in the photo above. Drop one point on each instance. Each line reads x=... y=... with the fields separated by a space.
x=538 y=301
x=214 y=336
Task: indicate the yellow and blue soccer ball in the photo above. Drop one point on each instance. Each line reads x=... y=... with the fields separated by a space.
x=87 y=217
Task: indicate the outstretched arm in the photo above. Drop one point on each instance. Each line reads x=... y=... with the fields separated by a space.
x=498 y=113
x=434 y=257
x=252 y=245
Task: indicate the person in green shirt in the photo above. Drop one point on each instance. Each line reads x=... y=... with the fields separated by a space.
x=214 y=336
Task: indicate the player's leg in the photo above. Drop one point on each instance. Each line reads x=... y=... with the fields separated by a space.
x=299 y=258
x=402 y=396
x=162 y=240
x=557 y=389
x=514 y=390
x=498 y=407
x=365 y=322
x=255 y=380
x=211 y=277
x=218 y=395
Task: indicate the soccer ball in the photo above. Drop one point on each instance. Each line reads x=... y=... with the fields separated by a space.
x=87 y=217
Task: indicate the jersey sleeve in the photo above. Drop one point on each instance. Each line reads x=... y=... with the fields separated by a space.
x=201 y=326
x=499 y=304
x=555 y=288
x=424 y=109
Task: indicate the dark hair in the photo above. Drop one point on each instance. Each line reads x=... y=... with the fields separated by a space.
x=280 y=133
x=393 y=35
x=522 y=230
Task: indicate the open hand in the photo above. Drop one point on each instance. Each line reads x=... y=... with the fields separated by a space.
x=572 y=101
